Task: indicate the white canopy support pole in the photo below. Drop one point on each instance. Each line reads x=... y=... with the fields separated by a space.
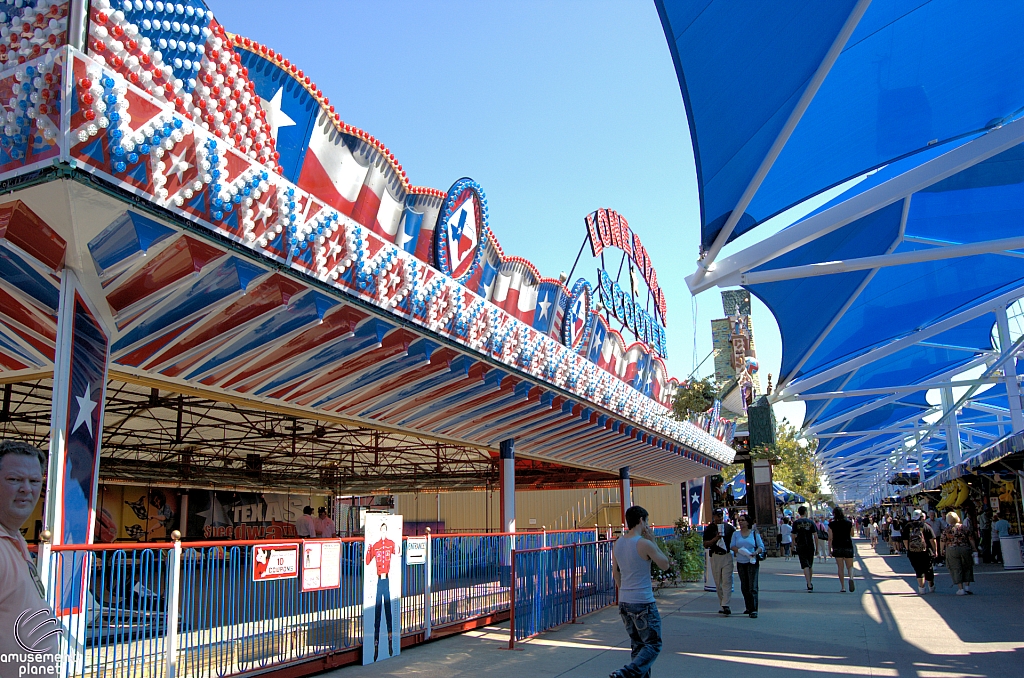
x=780 y=141
x=727 y=272
x=856 y=393
x=785 y=379
x=1010 y=372
x=908 y=340
x=952 y=430
x=882 y=261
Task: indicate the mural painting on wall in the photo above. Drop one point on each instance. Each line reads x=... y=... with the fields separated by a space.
x=140 y=514
x=216 y=514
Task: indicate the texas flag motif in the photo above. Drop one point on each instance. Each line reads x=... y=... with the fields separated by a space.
x=695 y=499
x=461 y=234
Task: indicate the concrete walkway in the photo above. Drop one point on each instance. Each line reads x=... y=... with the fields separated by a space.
x=884 y=629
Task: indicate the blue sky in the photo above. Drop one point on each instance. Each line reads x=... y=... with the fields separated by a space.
x=556 y=108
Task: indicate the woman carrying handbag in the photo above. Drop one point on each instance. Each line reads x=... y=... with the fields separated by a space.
x=749 y=549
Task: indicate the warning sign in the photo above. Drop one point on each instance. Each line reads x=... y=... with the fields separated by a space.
x=321 y=564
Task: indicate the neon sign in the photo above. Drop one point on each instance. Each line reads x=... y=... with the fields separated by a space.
x=629 y=313
x=608 y=228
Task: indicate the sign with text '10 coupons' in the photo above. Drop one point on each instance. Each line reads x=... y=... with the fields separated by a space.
x=275 y=561
x=382 y=587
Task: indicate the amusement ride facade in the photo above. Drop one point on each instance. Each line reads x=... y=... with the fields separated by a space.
x=208 y=280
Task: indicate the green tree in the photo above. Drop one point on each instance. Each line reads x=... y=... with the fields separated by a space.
x=696 y=397
x=796 y=468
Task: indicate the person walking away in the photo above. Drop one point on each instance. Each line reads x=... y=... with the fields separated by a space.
x=805 y=536
x=717 y=537
x=960 y=545
x=840 y=545
x=746 y=544
x=921 y=550
x=29 y=633
x=895 y=536
x=323 y=524
x=873 y=534
x=786 y=531
x=1000 y=529
x=632 y=555
x=304 y=526
x=985 y=534
x=822 y=539
x=937 y=524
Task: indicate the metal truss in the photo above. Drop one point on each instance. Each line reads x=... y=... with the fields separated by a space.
x=161 y=437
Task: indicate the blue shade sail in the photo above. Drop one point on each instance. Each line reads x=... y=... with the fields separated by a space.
x=914 y=73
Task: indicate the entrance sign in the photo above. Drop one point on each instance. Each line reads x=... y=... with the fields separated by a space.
x=275 y=561
x=382 y=587
x=416 y=551
x=608 y=228
x=321 y=564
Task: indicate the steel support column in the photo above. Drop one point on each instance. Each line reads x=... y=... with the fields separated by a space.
x=952 y=428
x=626 y=492
x=1010 y=372
x=508 y=485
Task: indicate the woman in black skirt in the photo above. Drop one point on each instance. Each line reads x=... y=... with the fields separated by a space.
x=840 y=545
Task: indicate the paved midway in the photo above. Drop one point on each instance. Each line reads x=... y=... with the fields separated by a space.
x=884 y=629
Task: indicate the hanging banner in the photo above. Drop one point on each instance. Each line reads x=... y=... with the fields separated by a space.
x=275 y=561
x=79 y=389
x=695 y=499
x=382 y=587
x=321 y=564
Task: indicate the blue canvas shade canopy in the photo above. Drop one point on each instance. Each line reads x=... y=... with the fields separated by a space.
x=891 y=295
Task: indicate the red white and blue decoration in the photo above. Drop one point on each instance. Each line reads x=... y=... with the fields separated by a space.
x=363 y=294
x=578 y=321
x=460 y=230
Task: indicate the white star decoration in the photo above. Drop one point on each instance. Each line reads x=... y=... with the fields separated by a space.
x=276 y=118
x=544 y=304
x=696 y=498
x=402 y=238
x=178 y=166
x=487 y=289
x=86 y=405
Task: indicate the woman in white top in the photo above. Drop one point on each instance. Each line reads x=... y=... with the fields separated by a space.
x=787 y=537
x=746 y=544
x=873 y=533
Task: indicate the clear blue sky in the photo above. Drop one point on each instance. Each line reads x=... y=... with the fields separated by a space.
x=556 y=108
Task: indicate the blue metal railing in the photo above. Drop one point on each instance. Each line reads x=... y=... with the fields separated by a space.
x=226 y=624
x=555 y=585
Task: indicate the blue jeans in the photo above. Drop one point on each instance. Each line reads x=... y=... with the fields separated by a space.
x=643 y=624
x=383 y=603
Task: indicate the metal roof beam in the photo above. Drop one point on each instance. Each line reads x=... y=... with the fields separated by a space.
x=906 y=341
x=728 y=271
x=881 y=261
x=891 y=389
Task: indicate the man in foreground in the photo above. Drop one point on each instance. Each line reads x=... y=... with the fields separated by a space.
x=632 y=556
x=717 y=537
x=28 y=631
x=805 y=536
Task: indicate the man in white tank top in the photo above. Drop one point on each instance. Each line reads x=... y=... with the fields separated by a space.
x=632 y=556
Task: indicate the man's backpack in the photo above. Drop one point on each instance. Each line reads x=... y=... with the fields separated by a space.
x=916 y=541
